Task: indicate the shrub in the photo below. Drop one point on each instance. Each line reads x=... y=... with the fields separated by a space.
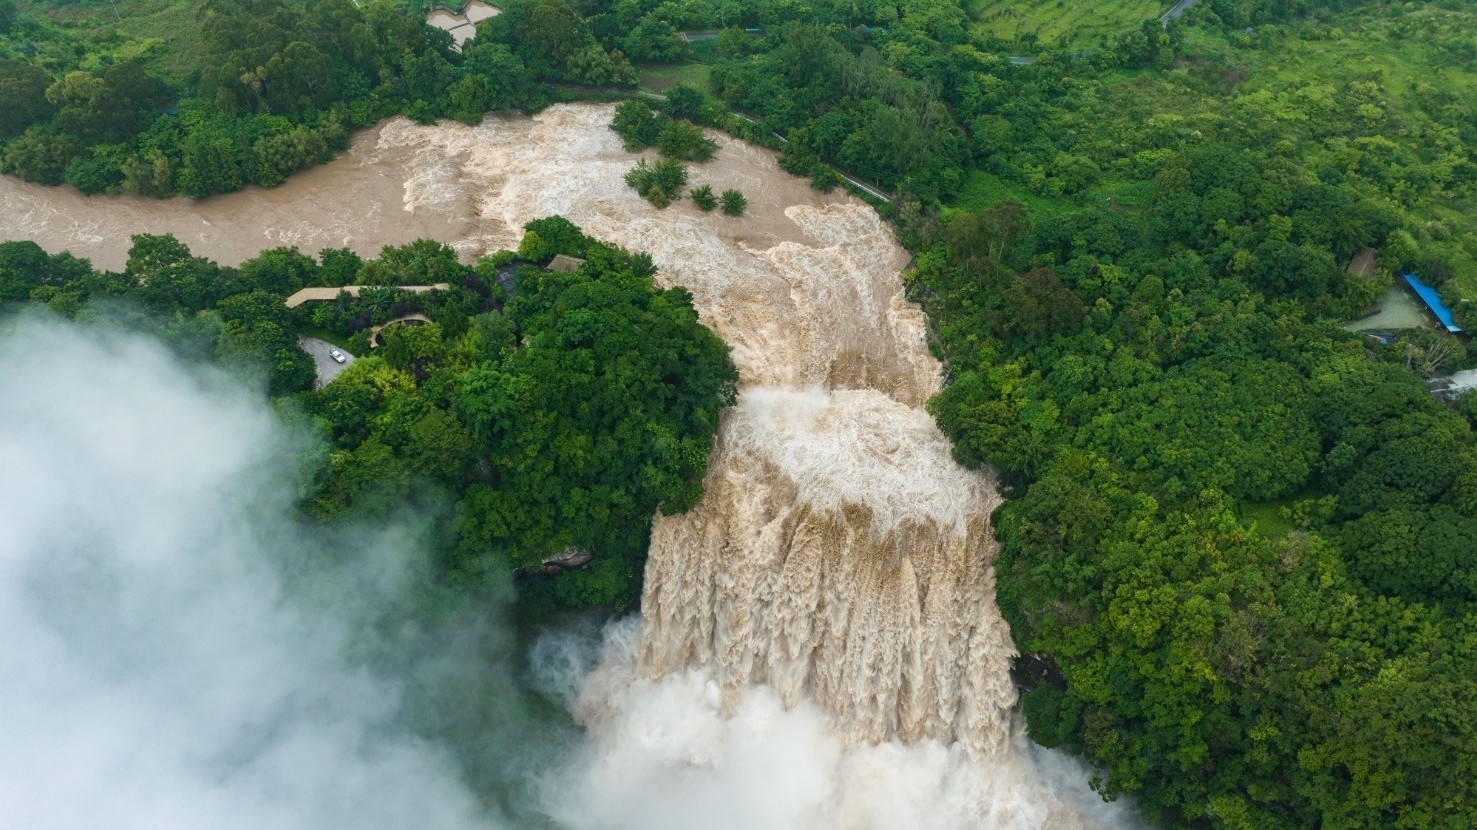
x=93 y=173
x=658 y=182
x=734 y=202
x=636 y=124
x=825 y=179
x=704 y=199
x=683 y=101
x=684 y=140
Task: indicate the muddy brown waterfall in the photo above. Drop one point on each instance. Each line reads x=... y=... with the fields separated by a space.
x=838 y=555
x=840 y=561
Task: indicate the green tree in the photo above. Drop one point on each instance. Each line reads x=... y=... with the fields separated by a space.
x=168 y=277
x=658 y=182
x=734 y=202
x=655 y=41
x=23 y=99
x=685 y=141
x=636 y=124
x=38 y=155
x=279 y=271
x=703 y=197
x=683 y=102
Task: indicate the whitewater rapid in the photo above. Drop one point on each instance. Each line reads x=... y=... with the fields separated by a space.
x=826 y=614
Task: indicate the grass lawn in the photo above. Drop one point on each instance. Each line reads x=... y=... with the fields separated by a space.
x=661 y=77
x=1267 y=519
x=981 y=190
x=1062 y=23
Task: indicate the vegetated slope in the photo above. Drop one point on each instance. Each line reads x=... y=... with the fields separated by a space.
x=537 y=411
x=1156 y=368
x=1053 y=24
x=163 y=34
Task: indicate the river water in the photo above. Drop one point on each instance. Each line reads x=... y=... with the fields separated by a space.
x=819 y=645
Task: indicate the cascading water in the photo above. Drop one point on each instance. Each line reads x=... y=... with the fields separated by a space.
x=826 y=615
x=838 y=555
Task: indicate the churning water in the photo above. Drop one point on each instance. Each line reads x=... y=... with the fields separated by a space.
x=819 y=645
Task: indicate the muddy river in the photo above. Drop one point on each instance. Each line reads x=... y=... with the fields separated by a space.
x=759 y=280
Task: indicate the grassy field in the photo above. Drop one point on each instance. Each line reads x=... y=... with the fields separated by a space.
x=1061 y=23
x=162 y=32
x=981 y=190
x=1267 y=519
x=659 y=77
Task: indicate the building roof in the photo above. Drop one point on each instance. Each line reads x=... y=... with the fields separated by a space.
x=1428 y=296
x=567 y=264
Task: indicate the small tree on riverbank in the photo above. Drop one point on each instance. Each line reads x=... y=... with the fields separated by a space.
x=636 y=124
x=684 y=140
x=658 y=182
x=734 y=202
x=704 y=199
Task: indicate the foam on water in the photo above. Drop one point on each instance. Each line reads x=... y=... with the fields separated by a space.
x=831 y=600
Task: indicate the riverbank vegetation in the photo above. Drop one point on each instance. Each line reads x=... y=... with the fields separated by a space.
x=1238 y=541
x=535 y=412
x=1150 y=353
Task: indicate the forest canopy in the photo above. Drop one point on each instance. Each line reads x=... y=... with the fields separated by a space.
x=247 y=91
x=535 y=413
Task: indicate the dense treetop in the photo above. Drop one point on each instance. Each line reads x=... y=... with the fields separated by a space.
x=538 y=411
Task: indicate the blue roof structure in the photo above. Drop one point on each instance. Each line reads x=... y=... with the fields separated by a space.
x=1428 y=294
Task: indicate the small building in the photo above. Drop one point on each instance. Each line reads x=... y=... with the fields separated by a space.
x=1433 y=302
x=566 y=264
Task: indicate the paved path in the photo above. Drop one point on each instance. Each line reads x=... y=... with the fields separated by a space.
x=327 y=367
x=309 y=295
x=374 y=333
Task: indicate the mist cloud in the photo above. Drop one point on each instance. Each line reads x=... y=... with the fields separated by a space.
x=178 y=651
x=666 y=753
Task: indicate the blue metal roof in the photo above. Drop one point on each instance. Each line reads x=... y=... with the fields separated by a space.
x=1428 y=294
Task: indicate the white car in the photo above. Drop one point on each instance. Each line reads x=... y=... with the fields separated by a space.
x=337 y=355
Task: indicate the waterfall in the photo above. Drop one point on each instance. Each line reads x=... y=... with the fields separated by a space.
x=839 y=556
x=819 y=645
